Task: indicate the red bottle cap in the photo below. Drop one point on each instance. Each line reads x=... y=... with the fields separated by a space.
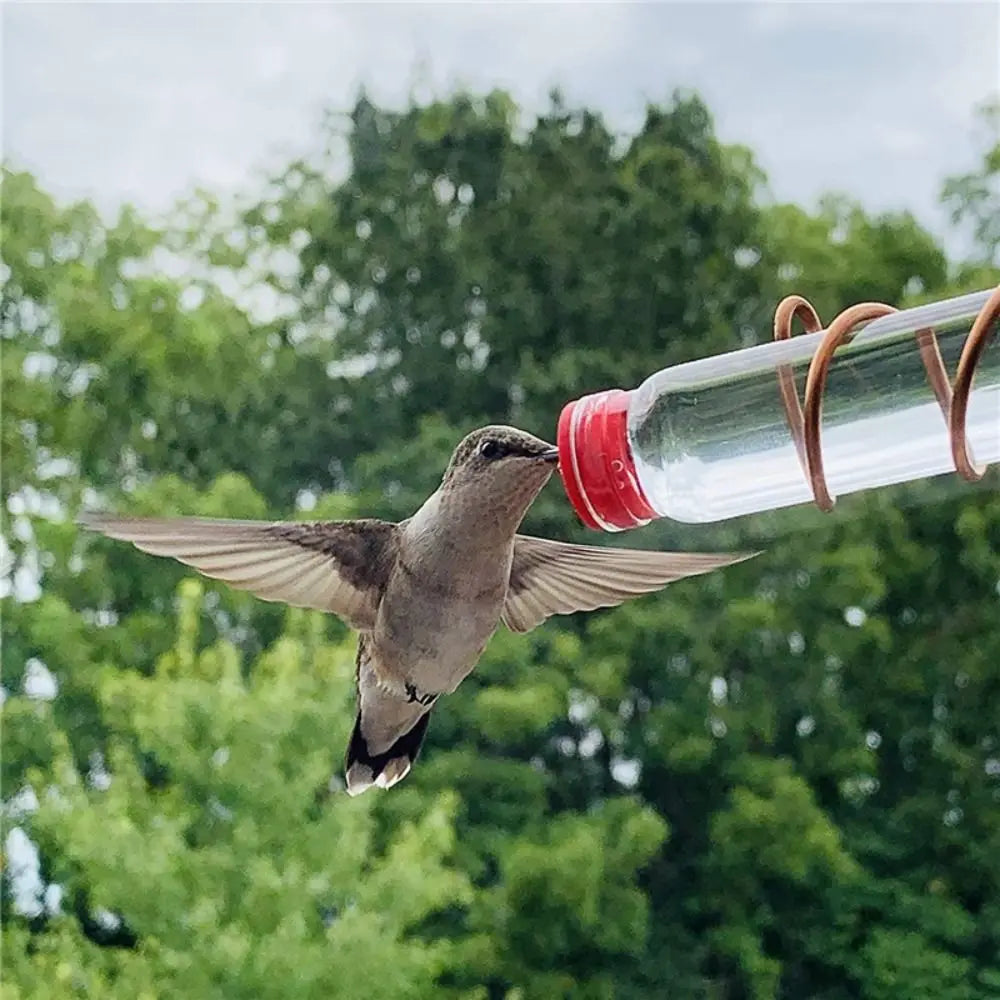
x=595 y=463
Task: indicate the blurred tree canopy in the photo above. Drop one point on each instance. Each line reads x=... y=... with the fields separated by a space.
x=778 y=781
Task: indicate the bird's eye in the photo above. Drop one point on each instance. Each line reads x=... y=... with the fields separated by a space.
x=491 y=448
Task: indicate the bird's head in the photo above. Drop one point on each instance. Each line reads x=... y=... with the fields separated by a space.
x=501 y=466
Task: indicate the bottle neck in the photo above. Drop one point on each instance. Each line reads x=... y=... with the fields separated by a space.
x=596 y=464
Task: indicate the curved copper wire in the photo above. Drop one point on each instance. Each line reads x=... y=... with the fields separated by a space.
x=972 y=351
x=788 y=309
x=838 y=332
x=804 y=421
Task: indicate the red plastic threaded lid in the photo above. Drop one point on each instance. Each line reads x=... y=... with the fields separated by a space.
x=595 y=463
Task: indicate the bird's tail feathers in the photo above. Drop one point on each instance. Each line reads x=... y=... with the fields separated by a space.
x=382 y=769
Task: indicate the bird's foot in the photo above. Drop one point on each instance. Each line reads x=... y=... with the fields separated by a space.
x=413 y=695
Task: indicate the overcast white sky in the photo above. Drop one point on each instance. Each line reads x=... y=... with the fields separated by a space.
x=140 y=101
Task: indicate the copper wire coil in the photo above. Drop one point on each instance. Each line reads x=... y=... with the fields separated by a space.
x=805 y=419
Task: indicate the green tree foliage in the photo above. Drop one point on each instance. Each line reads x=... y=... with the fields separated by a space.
x=475 y=275
x=974 y=201
x=842 y=255
x=212 y=850
x=777 y=781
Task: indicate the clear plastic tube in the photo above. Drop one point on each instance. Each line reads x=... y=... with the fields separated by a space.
x=711 y=439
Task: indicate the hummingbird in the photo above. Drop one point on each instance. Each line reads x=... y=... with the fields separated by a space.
x=425 y=594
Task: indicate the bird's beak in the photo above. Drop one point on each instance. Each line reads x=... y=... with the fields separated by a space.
x=551 y=456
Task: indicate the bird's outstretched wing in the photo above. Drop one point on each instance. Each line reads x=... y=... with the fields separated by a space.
x=556 y=578
x=337 y=566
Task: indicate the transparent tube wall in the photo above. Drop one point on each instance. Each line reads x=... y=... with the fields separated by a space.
x=711 y=440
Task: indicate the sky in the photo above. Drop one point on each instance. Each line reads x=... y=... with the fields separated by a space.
x=140 y=102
